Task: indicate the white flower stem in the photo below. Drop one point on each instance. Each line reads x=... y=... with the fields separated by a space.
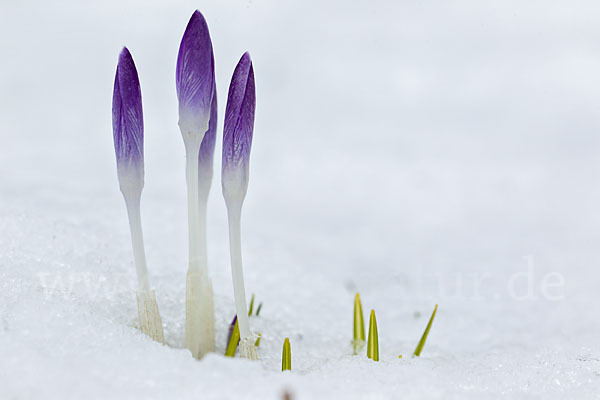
x=197 y=257
x=132 y=201
x=235 y=250
x=149 y=316
x=199 y=327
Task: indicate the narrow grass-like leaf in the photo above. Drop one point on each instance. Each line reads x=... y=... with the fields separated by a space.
x=373 y=345
x=425 y=334
x=258 y=309
x=286 y=357
x=359 y=325
x=251 y=308
x=257 y=343
x=234 y=339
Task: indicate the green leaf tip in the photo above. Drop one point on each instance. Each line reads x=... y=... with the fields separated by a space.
x=251 y=308
x=358 y=339
x=258 y=308
x=286 y=357
x=359 y=322
x=233 y=341
x=421 y=344
x=257 y=343
x=373 y=344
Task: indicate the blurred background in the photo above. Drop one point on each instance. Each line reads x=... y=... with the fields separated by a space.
x=393 y=140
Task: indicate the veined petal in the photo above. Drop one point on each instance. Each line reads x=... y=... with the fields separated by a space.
x=207 y=148
x=127 y=117
x=206 y=154
x=239 y=121
x=195 y=76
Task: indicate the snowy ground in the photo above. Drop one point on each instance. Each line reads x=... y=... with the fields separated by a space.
x=419 y=152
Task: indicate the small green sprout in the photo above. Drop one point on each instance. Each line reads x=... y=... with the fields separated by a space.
x=233 y=340
x=359 y=325
x=286 y=357
x=373 y=344
x=234 y=332
x=424 y=337
x=257 y=343
x=251 y=308
x=258 y=308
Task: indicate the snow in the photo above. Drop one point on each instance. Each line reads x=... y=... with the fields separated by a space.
x=420 y=153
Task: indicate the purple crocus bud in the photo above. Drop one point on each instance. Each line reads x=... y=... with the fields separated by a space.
x=128 y=123
x=195 y=77
x=238 y=129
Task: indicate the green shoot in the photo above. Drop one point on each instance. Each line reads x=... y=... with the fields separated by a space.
x=424 y=337
x=373 y=344
x=257 y=343
x=251 y=308
x=359 y=325
x=258 y=309
x=286 y=357
x=233 y=341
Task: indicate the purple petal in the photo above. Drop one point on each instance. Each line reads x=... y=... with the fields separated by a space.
x=195 y=75
x=207 y=148
x=239 y=119
x=127 y=116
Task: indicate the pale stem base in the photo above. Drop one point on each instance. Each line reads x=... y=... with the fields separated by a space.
x=150 y=322
x=199 y=304
x=199 y=314
x=247 y=348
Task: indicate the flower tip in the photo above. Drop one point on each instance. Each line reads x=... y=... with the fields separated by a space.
x=195 y=76
x=124 y=53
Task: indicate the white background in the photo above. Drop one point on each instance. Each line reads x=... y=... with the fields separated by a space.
x=404 y=149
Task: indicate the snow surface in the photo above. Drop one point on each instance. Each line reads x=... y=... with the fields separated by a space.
x=406 y=150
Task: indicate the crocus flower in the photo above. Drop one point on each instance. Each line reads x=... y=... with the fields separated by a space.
x=128 y=135
x=237 y=141
x=195 y=81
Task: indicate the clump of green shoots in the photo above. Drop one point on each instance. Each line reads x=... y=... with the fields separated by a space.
x=286 y=356
x=234 y=331
x=359 y=326
x=373 y=344
x=251 y=308
x=419 y=348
